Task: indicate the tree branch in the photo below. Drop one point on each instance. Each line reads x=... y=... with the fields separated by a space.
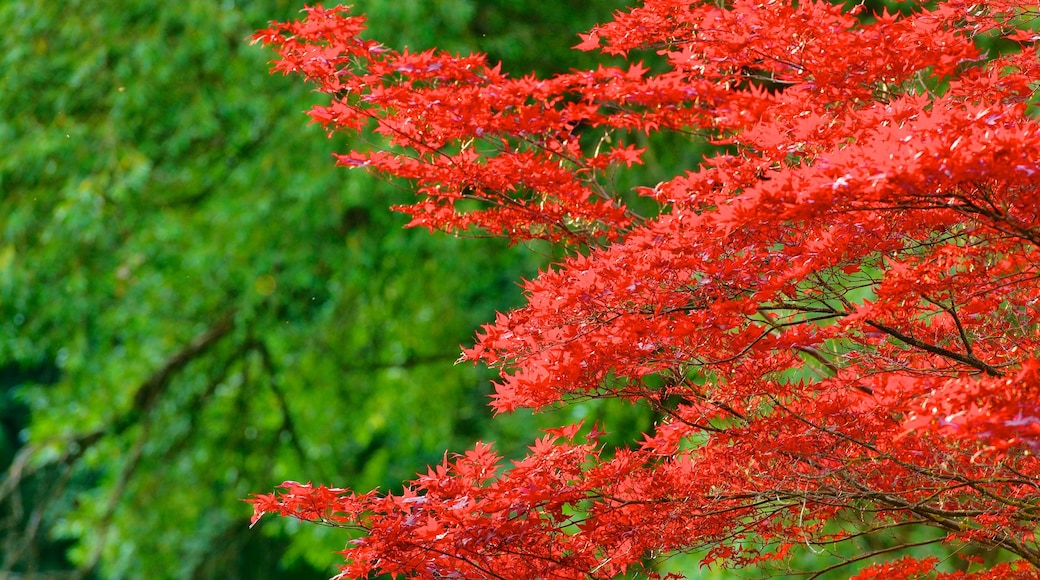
x=938 y=350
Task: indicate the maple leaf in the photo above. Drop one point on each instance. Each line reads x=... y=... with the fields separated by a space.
x=588 y=42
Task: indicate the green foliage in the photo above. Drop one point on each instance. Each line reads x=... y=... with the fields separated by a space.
x=195 y=305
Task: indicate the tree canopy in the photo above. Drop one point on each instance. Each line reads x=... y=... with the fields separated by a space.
x=833 y=318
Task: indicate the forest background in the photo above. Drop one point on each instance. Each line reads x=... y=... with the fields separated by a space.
x=195 y=304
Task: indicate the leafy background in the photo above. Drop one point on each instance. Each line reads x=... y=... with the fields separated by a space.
x=195 y=305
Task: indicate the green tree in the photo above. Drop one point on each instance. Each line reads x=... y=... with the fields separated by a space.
x=195 y=305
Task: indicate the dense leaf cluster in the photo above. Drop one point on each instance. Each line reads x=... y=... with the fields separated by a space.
x=835 y=318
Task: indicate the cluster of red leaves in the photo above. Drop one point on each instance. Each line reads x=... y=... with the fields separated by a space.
x=911 y=569
x=836 y=318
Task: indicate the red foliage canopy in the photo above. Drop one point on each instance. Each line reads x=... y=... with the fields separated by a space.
x=837 y=314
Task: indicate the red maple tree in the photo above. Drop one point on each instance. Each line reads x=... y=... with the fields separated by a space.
x=835 y=316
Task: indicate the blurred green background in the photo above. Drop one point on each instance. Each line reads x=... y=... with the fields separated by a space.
x=195 y=305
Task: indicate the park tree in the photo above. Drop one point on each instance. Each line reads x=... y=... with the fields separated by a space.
x=833 y=316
